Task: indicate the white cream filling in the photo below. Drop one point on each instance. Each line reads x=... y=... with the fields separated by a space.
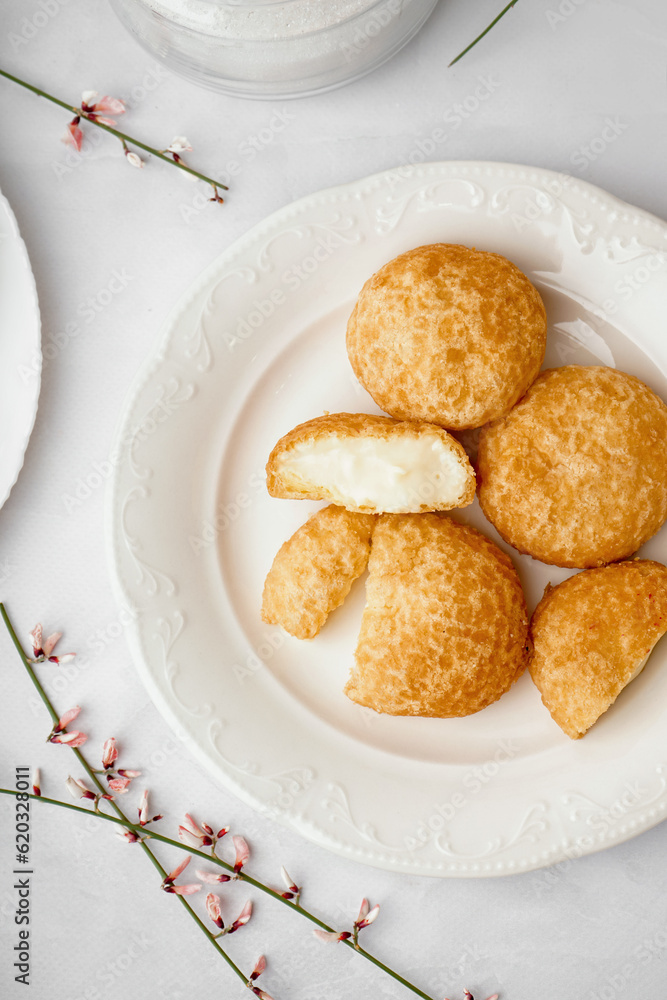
x=399 y=474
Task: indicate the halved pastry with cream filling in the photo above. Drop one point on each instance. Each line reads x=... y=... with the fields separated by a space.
x=592 y=635
x=372 y=465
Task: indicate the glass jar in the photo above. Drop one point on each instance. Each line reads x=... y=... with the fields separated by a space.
x=273 y=48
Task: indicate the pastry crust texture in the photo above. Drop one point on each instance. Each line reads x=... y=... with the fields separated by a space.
x=576 y=473
x=314 y=570
x=447 y=334
x=591 y=636
x=339 y=433
x=445 y=629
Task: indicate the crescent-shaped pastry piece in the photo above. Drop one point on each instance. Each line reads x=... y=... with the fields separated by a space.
x=592 y=635
x=314 y=570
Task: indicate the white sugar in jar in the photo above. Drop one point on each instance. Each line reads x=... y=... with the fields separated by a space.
x=273 y=48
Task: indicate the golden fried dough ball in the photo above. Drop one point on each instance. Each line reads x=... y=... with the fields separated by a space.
x=592 y=636
x=371 y=464
x=576 y=473
x=314 y=570
x=448 y=335
x=445 y=628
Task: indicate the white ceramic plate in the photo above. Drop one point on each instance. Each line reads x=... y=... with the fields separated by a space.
x=20 y=350
x=257 y=346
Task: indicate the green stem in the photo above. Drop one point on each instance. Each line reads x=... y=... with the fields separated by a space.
x=485 y=32
x=28 y=665
x=113 y=131
x=122 y=820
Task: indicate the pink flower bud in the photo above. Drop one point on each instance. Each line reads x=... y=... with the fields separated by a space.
x=213 y=909
x=260 y=966
x=242 y=853
x=172 y=876
x=179 y=144
x=73 y=739
x=143 y=808
x=133 y=158
x=111 y=104
x=77 y=788
x=109 y=753
x=49 y=644
x=188 y=838
x=212 y=878
x=125 y=773
x=289 y=881
x=183 y=890
x=36 y=782
x=368 y=917
x=73 y=137
x=65 y=719
x=36 y=639
x=179 y=890
x=192 y=836
x=243 y=917
x=118 y=785
x=128 y=835
x=331 y=936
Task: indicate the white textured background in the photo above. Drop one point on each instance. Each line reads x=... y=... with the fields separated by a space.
x=592 y=928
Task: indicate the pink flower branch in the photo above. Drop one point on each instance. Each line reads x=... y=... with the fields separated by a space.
x=89 y=111
x=193 y=837
x=120 y=815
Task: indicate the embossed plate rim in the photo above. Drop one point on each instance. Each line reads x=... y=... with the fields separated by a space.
x=359 y=838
